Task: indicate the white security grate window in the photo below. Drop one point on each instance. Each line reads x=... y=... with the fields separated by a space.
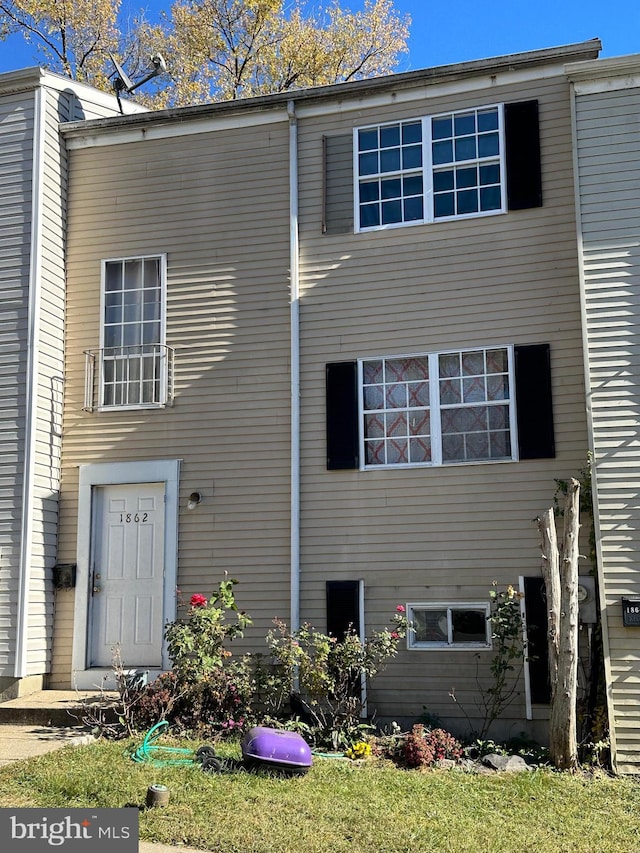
x=134 y=362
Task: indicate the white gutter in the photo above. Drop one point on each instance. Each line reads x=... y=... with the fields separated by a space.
x=31 y=390
x=294 y=249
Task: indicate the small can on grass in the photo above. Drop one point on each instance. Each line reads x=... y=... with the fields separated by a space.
x=157 y=795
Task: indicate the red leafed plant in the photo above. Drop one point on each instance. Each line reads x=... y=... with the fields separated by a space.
x=422 y=748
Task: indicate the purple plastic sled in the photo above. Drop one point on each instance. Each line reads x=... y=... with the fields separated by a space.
x=284 y=751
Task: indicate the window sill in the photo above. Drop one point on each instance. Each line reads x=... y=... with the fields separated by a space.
x=137 y=408
x=438 y=465
x=392 y=226
x=458 y=647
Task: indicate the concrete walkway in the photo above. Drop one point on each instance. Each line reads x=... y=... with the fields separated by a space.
x=42 y=722
x=27 y=741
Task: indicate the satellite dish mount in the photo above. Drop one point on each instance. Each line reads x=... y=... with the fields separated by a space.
x=123 y=83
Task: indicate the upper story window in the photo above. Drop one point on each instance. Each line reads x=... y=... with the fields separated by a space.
x=438 y=408
x=134 y=360
x=466 y=163
x=439 y=167
x=390 y=169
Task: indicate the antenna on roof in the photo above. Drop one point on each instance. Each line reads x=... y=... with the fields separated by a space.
x=122 y=83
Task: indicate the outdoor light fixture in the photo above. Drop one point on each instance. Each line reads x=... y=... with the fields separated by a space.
x=194 y=500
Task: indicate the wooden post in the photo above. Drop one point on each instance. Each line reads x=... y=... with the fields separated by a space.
x=562 y=601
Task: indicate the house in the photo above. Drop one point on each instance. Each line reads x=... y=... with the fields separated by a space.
x=329 y=342
x=606 y=102
x=33 y=183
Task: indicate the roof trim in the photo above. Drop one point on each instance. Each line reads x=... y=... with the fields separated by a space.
x=593 y=69
x=28 y=79
x=598 y=76
x=587 y=50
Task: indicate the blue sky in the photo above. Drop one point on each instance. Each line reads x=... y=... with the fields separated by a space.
x=465 y=29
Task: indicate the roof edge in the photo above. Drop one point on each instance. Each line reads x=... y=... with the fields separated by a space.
x=586 y=50
x=21 y=80
x=615 y=66
x=28 y=79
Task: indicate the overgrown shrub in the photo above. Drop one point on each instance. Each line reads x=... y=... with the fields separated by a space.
x=155 y=702
x=322 y=675
x=389 y=744
x=423 y=747
x=196 y=645
x=525 y=747
x=311 y=684
x=207 y=692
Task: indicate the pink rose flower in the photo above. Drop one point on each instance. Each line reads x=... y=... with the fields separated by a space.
x=198 y=600
x=395 y=635
x=400 y=608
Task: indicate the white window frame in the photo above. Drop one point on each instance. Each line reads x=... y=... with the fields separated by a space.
x=419 y=645
x=164 y=379
x=428 y=171
x=435 y=410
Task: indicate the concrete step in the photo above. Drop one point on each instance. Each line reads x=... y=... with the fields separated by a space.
x=56 y=708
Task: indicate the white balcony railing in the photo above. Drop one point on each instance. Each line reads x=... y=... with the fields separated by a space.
x=128 y=377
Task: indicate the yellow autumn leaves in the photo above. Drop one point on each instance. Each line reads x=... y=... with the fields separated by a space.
x=215 y=49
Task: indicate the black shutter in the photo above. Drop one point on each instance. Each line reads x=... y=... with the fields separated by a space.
x=524 y=176
x=534 y=403
x=342 y=416
x=337 y=215
x=535 y=605
x=343 y=607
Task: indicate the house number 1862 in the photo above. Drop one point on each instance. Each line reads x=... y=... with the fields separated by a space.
x=137 y=517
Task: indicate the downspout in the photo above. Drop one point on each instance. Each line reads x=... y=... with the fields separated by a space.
x=31 y=395
x=294 y=250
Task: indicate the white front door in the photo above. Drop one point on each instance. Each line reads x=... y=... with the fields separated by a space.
x=126 y=585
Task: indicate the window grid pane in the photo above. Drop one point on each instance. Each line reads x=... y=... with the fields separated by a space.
x=466 y=417
x=390 y=165
x=475 y=405
x=465 y=151
x=453 y=169
x=397 y=425
x=134 y=362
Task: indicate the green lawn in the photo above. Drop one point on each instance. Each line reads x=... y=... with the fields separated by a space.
x=341 y=807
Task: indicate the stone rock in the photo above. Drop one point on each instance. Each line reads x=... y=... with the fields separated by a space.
x=445 y=764
x=505 y=763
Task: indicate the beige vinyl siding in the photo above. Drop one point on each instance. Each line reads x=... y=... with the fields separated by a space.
x=609 y=180
x=16 y=157
x=217 y=205
x=441 y=534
